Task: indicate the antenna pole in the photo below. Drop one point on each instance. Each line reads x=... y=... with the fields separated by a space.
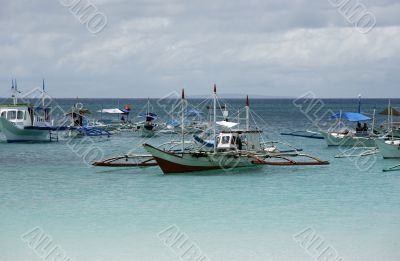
x=388 y=120
x=215 y=117
x=43 y=91
x=183 y=120
x=373 y=121
x=15 y=92
x=247 y=113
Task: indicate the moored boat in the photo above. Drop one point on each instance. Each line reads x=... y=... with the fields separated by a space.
x=26 y=122
x=362 y=136
x=232 y=148
x=389 y=148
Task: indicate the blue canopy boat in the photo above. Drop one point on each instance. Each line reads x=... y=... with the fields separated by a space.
x=343 y=136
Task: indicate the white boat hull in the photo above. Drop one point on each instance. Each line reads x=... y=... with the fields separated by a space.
x=17 y=134
x=389 y=149
x=335 y=139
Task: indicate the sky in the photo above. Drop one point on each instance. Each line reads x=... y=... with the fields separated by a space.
x=150 y=48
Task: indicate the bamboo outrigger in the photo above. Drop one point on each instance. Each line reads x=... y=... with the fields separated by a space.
x=123 y=161
x=393 y=168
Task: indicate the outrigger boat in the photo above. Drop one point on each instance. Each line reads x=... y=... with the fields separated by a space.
x=389 y=148
x=26 y=122
x=389 y=145
x=232 y=148
x=80 y=125
x=390 y=127
x=147 y=128
x=361 y=137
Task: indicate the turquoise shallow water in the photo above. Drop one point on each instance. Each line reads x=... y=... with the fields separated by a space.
x=253 y=214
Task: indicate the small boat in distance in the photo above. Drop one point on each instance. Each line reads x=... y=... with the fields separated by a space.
x=26 y=122
x=148 y=127
x=343 y=136
x=389 y=145
x=80 y=125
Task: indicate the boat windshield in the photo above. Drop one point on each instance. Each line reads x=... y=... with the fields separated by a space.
x=11 y=115
x=20 y=115
x=225 y=140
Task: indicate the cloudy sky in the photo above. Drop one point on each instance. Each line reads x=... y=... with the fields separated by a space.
x=152 y=47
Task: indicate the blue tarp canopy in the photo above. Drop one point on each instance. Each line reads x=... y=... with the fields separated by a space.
x=351 y=116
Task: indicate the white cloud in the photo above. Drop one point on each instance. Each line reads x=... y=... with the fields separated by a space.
x=148 y=47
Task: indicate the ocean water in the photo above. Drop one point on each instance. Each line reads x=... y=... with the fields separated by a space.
x=349 y=207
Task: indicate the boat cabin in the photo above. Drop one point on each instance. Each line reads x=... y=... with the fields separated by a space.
x=239 y=140
x=25 y=115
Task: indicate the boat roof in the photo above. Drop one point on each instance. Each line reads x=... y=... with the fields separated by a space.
x=23 y=105
x=15 y=105
x=227 y=124
x=239 y=131
x=351 y=116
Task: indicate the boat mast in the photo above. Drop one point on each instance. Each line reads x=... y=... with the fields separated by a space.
x=215 y=117
x=14 y=91
x=388 y=119
x=148 y=106
x=373 y=121
x=43 y=91
x=391 y=121
x=247 y=113
x=183 y=120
